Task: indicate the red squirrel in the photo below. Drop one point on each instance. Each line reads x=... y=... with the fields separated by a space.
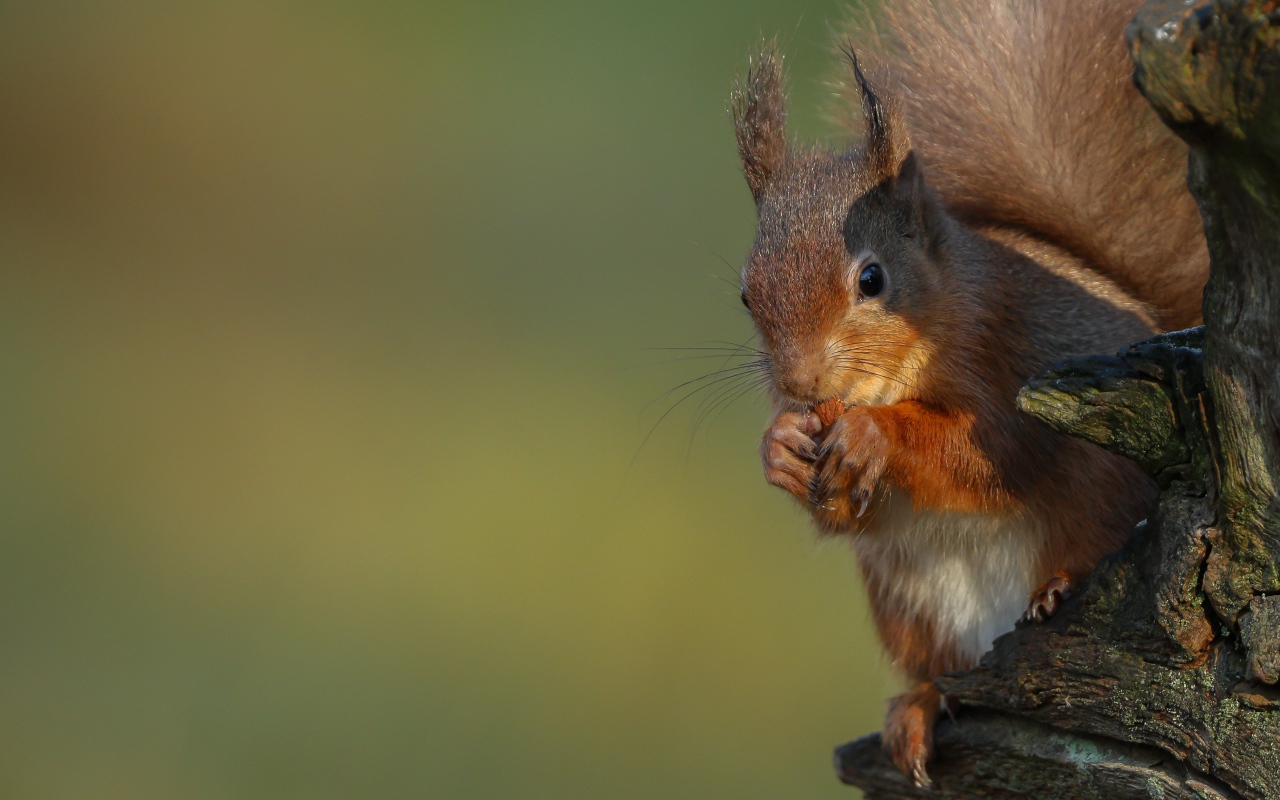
x=1012 y=202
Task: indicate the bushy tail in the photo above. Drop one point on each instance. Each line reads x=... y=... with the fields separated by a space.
x=1025 y=114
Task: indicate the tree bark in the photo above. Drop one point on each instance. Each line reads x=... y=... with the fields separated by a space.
x=1159 y=680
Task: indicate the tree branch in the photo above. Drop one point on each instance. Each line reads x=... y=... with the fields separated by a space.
x=990 y=755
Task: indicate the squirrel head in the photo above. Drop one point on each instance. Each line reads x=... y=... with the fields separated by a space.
x=847 y=257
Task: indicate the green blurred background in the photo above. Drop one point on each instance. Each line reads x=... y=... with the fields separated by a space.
x=325 y=350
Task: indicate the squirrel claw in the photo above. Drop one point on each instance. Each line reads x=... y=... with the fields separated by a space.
x=820 y=491
x=861 y=498
x=908 y=732
x=1045 y=601
x=814 y=498
x=920 y=778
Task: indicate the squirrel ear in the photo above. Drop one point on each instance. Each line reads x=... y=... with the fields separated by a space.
x=887 y=143
x=908 y=183
x=760 y=119
x=911 y=193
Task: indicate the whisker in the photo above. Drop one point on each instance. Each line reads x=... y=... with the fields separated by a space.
x=732 y=371
x=703 y=358
x=706 y=349
x=711 y=408
x=724 y=260
x=860 y=367
x=753 y=378
x=758 y=385
x=713 y=344
x=710 y=403
x=733 y=375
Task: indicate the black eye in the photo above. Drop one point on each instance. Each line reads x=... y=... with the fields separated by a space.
x=871 y=280
x=746 y=302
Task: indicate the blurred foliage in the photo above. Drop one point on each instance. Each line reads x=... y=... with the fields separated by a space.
x=325 y=349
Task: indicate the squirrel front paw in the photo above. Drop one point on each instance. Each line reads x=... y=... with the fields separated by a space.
x=788 y=452
x=850 y=463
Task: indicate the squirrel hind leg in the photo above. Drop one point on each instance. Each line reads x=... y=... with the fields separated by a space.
x=1044 y=601
x=908 y=731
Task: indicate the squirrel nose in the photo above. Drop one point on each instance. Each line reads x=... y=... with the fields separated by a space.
x=798 y=392
x=802 y=379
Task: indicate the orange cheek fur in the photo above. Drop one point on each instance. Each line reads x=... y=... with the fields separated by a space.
x=932 y=454
x=876 y=360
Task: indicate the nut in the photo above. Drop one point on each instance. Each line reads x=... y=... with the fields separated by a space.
x=829 y=410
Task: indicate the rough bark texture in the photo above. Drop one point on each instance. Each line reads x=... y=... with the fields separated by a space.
x=992 y=755
x=1159 y=679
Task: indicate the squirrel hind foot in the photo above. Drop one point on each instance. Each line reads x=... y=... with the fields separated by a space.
x=1044 y=601
x=908 y=731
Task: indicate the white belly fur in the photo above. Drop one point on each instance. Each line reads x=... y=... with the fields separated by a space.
x=970 y=573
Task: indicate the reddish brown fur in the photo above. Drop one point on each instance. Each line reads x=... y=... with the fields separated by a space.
x=908 y=729
x=1020 y=219
x=1026 y=114
x=918 y=651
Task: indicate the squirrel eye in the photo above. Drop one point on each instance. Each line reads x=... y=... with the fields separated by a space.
x=871 y=280
x=746 y=302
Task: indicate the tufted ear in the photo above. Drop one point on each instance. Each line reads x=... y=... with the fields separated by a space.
x=887 y=143
x=760 y=119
